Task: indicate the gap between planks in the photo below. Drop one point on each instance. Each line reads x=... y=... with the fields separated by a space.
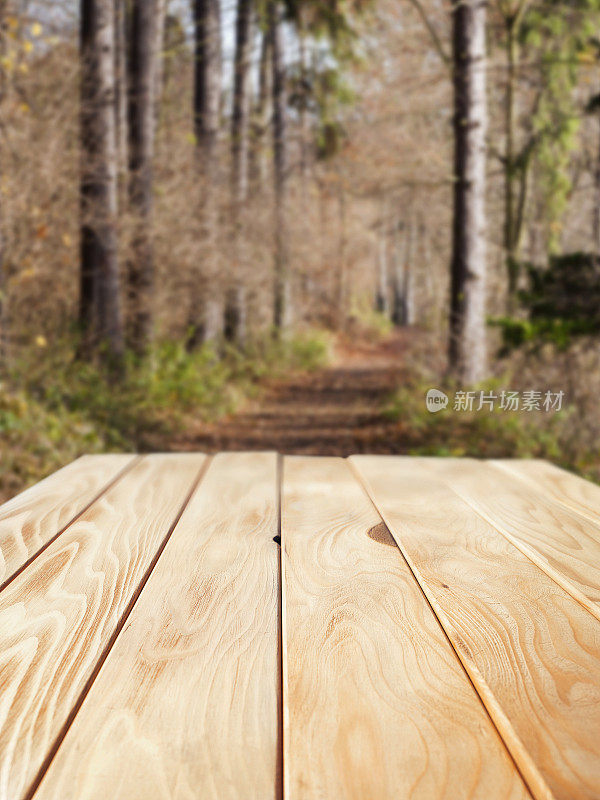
x=550 y=734
x=13 y=507
x=187 y=702
x=79 y=592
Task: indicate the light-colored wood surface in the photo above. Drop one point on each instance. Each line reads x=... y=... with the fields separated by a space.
x=532 y=651
x=564 y=544
x=31 y=519
x=57 y=617
x=143 y=653
x=566 y=488
x=376 y=704
x=187 y=703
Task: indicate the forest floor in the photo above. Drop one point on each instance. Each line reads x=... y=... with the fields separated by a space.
x=336 y=410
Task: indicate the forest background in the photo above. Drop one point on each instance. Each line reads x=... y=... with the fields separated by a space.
x=199 y=201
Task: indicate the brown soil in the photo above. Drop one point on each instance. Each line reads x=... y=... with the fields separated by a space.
x=337 y=410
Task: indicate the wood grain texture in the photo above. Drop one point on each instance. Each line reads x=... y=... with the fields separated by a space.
x=532 y=651
x=376 y=702
x=564 y=544
x=59 y=614
x=32 y=518
x=565 y=488
x=186 y=704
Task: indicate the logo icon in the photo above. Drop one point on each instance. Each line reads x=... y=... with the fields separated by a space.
x=436 y=400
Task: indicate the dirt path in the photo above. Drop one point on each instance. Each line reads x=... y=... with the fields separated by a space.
x=334 y=411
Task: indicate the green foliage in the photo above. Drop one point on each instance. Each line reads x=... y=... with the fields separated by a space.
x=557 y=38
x=54 y=408
x=483 y=434
x=562 y=302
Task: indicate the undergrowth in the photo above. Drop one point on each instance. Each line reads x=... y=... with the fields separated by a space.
x=487 y=433
x=54 y=408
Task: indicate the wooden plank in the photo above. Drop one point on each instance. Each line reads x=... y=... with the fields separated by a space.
x=31 y=519
x=376 y=703
x=59 y=616
x=187 y=703
x=531 y=650
x=565 y=545
x=564 y=487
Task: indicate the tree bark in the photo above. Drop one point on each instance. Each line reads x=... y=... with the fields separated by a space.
x=263 y=111
x=159 y=48
x=281 y=304
x=205 y=315
x=121 y=124
x=142 y=87
x=467 y=349
x=596 y=208
x=381 y=298
x=3 y=282
x=100 y=304
x=235 y=308
x=403 y=283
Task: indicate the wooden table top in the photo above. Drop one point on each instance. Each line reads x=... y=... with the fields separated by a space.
x=429 y=628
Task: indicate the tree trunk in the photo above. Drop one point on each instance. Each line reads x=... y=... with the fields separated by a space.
x=342 y=277
x=100 y=305
x=596 y=210
x=281 y=305
x=205 y=315
x=467 y=350
x=263 y=113
x=403 y=284
x=121 y=37
x=235 y=309
x=381 y=297
x=159 y=48
x=3 y=281
x=142 y=87
x=510 y=243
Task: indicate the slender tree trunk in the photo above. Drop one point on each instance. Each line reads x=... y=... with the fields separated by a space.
x=381 y=298
x=262 y=115
x=408 y=275
x=3 y=282
x=467 y=350
x=142 y=87
x=235 y=308
x=342 y=281
x=100 y=305
x=205 y=316
x=281 y=304
x=159 y=47
x=121 y=37
x=304 y=120
x=596 y=210
x=510 y=244
x=403 y=271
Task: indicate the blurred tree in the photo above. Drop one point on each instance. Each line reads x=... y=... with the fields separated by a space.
x=3 y=281
x=261 y=117
x=540 y=126
x=205 y=314
x=281 y=307
x=235 y=307
x=467 y=350
x=100 y=304
x=121 y=36
x=142 y=85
